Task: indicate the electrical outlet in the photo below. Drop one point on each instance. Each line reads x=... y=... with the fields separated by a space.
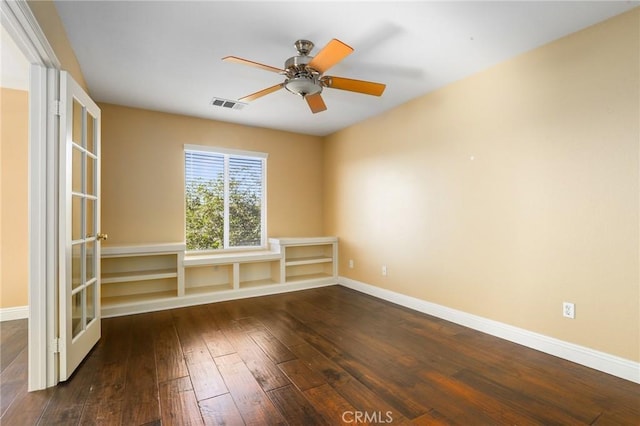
x=384 y=270
x=351 y=264
x=568 y=310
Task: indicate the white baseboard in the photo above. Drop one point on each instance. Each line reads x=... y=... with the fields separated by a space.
x=14 y=313
x=592 y=358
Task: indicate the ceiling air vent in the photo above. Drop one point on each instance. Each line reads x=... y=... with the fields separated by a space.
x=227 y=103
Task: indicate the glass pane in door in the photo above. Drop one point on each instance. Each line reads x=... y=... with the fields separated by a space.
x=76 y=313
x=90 y=268
x=91 y=145
x=91 y=181
x=76 y=172
x=90 y=219
x=91 y=305
x=76 y=217
x=76 y=130
x=76 y=265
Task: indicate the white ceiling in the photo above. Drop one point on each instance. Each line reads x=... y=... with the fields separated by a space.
x=165 y=55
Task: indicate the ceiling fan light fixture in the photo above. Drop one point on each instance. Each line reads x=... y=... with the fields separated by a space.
x=303 y=86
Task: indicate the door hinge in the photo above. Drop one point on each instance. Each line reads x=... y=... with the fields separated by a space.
x=56 y=108
x=55 y=345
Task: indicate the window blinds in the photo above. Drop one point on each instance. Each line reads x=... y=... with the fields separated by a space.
x=239 y=181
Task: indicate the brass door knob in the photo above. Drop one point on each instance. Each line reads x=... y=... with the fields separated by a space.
x=103 y=237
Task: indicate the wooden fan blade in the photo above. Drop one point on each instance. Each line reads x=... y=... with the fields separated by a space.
x=261 y=93
x=251 y=63
x=360 y=86
x=315 y=103
x=331 y=54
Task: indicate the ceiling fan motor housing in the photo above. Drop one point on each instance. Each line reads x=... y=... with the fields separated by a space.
x=301 y=80
x=297 y=64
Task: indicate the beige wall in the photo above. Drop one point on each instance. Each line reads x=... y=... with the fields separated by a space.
x=507 y=193
x=14 y=122
x=48 y=18
x=143 y=174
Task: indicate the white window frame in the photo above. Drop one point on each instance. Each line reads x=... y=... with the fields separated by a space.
x=227 y=152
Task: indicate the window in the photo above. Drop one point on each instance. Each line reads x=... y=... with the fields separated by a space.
x=225 y=198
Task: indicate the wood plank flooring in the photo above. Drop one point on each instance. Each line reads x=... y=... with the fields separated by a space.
x=327 y=356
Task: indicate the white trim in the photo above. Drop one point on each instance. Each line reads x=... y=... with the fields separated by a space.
x=225 y=202
x=588 y=357
x=226 y=151
x=20 y=23
x=141 y=249
x=50 y=283
x=14 y=313
x=300 y=241
x=38 y=237
x=263 y=206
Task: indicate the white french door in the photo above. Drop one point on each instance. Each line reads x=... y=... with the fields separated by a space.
x=79 y=224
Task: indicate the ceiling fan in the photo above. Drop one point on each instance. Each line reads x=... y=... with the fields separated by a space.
x=304 y=74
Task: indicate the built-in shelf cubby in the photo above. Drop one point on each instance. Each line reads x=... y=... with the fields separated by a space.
x=135 y=274
x=307 y=259
x=256 y=274
x=208 y=278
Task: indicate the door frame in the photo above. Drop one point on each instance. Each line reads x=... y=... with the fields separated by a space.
x=22 y=26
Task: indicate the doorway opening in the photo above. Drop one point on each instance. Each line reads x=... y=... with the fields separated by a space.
x=14 y=178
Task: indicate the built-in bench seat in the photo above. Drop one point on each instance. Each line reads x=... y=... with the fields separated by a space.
x=191 y=260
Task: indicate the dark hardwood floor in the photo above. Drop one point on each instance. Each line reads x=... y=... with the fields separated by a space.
x=318 y=357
